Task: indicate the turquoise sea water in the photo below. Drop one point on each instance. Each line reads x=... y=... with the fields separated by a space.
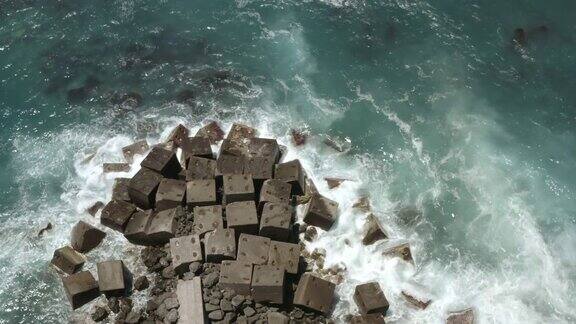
x=446 y=115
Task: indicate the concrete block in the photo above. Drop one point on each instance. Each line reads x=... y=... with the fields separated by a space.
x=276 y=191
x=178 y=135
x=242 y=217
x=137 y=148
x=268 y=284
x=120 y=189
x=212 y=131
x=143 y=186
x=115 y=280
x=368 y=319
x=115 y=167
x=237 y=187
x=171 y=193
x=162 y=225
x=260 y=168
x=276 y=221
x=220 y=245
x=314 y=293
x=207 y=218
x=264 y=147
x=228 y=164
x=200 y=169
x=286 y=255
x=68 y=260
x=240 y=131
x=400 y=249
x=116 y=214
x=370 y=299
x=293 y=173
x=234 y=147
x=201 y=193
x=197 y=146
x=373 y=230
x=81 y=288
x=236 y=275
x=253 y=249
x=185 y=250
x=85 y=237
x=162 y=161
x=135 y=231
x=189 y=294
x=321 y=212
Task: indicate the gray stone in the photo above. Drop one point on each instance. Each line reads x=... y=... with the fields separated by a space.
x=171 y=193
x=277 y=318
x=276 y=191
x=80 y=288
x=196 y=146
x=238 y=299
x=242 y=217
x=249 y=311
x=189 y=294
x=178 y=135
x=135 y=231
x=321 y=212
x=236 y=275
x=268 y=284
x=226 y=306
x=264 y=147
x=171 y=302
x=210 y=279
x=168 y=272
x=276 y=222
x=311 y=233
x=133 y=317
x=162 y=161
x=143 y=186
x=172 y=316
x=68 y=260
x=99 y=314
x=240 y=131
x=120 y=189
x=85 y=237
x=216 y=315
x=116 y=215
x=212 y=131
x=253 y=249
x=92 y=210
x=229 y=164
x=194 y=267
x=141 y=283
x=260 y=168
x=201 y=193
x=370 y=299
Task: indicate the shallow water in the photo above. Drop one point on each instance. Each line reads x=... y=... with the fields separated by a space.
x=445 y=114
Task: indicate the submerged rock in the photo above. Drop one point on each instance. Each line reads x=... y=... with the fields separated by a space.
x=45 y=229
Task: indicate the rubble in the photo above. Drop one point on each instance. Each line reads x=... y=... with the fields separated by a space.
x=137 y=148
x=314 y=293
x=373 y=231
x=370 y=299
x=212 y=131
x=293 y=173
x=162 y=161
x=114 y=278
x=143 y=186
x=85 y=237
x=465 y=316
x=321 y=212
x=171 y=193
x=116 y=214
x=99 y=314
x=141 y=283
x=68 y=260
x=81 y=288
x=236 y=275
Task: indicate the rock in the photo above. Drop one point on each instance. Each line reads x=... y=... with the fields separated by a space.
x=137 y=148
x=210 y=280
x=212 y=131
x=277 y=318
x=211 y=307
x=237 y=187
x=337 y=144
x=114 y=278
x=141 y=283
x=68 y=260
x=311 y=233
x=261 y=169
x=220 y=245
x=373 y=231
x=321 y=212
x=194 y=267
x=115 y=167
x=228 y=164
x=268 y=284
x=135 y=231
x=242 y=217
x=99 y=314
x=133 y=317
x=171 y=302
x=162 y=225
x=368 y=319
x=162 y=161
x=286 y=255
x=293 y=173
x=80 y=288
x=85 y=237
x=168 y=272
x=114 y=304
x=143 y=186
x=172 y=316
x=253 y=249
x=184 y=251
x=116 y=214
x=236 y=275
x=171 y=193
x=196 y=146
x=314 y=293
x=226 y=306
x=415 y=301
x=92 y=210
x=199 y=168
x=200 y=193
x=362 y=204
x=461 y=317
x=334 y=182
x=45 y=229
x=216 y=315
x=370 y=299
x=238 y=299
x=298 y=137
x=249 y=311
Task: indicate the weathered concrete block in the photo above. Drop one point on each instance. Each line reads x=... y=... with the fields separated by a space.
x=178 y=135
x=242 y=217
x=277 y=318
x=264 y=147
x=120 y=189
x=268 y=284
x=314 y=293
x=276 y=221
x=398 y=249
x=189 y=295
x=373 y=231
x=234 y=147
x=162 y=161
x=137 y=148
x=253 y=249
x=368 y=319
x=236 y=275
x=114 y=278
x=228 y=164
x=461 y=317
x=116 y=215
x=185 y=250
x=276 y=191
x=162 y=225
x=286 y=255
x=143 y=186
x=370 y=299
x=68 y=260
x=115 y=167
x=85 y=237
x=415 y=300
x=237 y=187
x=241 y=131
x=220 y=245
x=81 y=288
x=293 y=173
x=207 y=218
x=212 y=131
x=197 y=146
x=321 y=212
x=201 y=192
x=260 y=168
x=135 y=231
x=200 y=169
x=171 y=193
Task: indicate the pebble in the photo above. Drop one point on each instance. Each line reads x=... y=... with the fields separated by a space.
x=172 y=316
x=237 y=300
x=99 y=314
x=216 y=315
x=249 y=311
x=141 y=283
x=168 y=272
x=210 y=279
x=226 y=306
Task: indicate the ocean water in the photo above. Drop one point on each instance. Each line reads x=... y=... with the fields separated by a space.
x=463 y=138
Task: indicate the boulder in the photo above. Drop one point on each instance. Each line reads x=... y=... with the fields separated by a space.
x=92 y=210
x=196 y=146
x=286 y=255
x=293 y=173
x=200 y=169
x=398 y=249
x=276 y=221
x=81 y=288
x=200 y=193
x=99 y=314
x=135 y=231
x=68 y=260
x=276 y=191
x=220 y=245
x=185 y=250
x=141 y=283
x=143 y=186
x=171 y=193
x=115 y=167
x=298 y=137
x=162 y=226
x=120 y=189
x=207 y=218
x=240 y=131
x=237 y=187
x=85 y=237
x=229 y=164
x=416 y=301
x=264 y=147
x=162 y=161
x=178 y=135
x=334 y=182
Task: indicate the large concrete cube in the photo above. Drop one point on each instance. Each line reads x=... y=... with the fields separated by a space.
x=212 y=131
x=162 y=225
x=116 y=214
x=242 y=217
x=264 y=147
x=274 y=190
x=85 y=237
x=114 y=278
x=162 y=161
x=276 y=221
x=368 y=319
x=286 y=255
x=373 y=230
x=197 y=146
x=293 y=173
x=240 y=131
x=253 y=249
x=229 y=164
x=370 y=299
x=137 y=148
x=220 y=245
x=207 y=218
x=260 y=168
x=314 y=293
x=178 y=135
x=201 y=193
x=171 y=193
x=234 y=147
x=68 y=260
x=236 y=275
x=135 y=231
x=237 y=187
x=81 y=288
x=189 y=294
x=120 y=189
x=185 y=250
x=143 y=186
x=268 y=284
x=200 y=169
x=321 y=212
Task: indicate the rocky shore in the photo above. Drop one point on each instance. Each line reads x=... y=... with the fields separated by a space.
x=221 y=239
